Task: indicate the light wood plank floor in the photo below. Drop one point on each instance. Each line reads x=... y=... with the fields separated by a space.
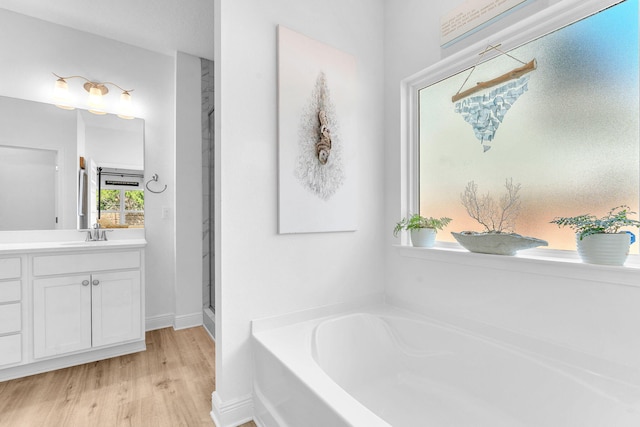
x=170 y=385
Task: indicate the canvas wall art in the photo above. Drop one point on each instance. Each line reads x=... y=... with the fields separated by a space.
x=316 y=135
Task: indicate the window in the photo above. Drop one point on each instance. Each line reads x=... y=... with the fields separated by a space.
x=567 y=132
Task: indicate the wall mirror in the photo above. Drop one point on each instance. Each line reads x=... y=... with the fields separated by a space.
x=63 y=169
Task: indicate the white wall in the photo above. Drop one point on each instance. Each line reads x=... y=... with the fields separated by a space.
x=258 y=272
x=586 y=309
x=188 y=179
x=32 y=49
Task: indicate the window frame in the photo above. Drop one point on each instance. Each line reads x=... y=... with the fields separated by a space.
x=552 y=18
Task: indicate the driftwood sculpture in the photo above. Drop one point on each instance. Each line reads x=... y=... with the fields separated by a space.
x=323 y=146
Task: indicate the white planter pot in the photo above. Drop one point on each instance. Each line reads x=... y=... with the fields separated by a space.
x=423 y=237
x=607 y=249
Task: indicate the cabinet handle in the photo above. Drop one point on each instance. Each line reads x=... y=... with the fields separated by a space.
x=85 y=283
x=96 y=282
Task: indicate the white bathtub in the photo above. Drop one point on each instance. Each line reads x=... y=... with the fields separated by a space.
x=388 y=367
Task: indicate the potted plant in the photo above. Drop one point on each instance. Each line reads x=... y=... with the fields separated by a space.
x=498 y=220
x=599 y=240
x=423 y=229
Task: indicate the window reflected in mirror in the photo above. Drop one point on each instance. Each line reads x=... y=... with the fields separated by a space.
x=121 y=208
x=48 y=165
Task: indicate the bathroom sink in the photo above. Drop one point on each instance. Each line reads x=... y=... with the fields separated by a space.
x=84 y=243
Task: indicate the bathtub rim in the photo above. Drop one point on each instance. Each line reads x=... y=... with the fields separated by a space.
x=271 y=322
x=308 y=372
x=530 y=345
x=345 y=406
x=526 y=343
x=608 y=383
x=559 y=359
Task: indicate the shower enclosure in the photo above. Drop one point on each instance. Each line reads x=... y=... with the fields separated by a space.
x=208 y=294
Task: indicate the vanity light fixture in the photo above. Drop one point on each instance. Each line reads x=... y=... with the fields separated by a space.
x=96 y=92
x=125 y=110
x=61 y=95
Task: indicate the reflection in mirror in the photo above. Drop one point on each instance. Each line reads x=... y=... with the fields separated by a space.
x=120 y=197
x=29 y=187
x=49 y=164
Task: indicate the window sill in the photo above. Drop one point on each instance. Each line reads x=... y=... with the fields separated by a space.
x=545 y=262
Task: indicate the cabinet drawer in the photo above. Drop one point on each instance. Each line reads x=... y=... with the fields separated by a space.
x=10 y=349
x=84 y=263
x=10 y=291
x=10 y=268
x=10 y=318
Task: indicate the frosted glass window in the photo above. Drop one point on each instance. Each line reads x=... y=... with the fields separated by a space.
x=568 y=132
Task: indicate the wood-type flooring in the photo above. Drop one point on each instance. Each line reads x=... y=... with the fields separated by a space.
x=169 y=385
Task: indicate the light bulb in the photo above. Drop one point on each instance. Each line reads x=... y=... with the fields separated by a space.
x=61 y=95
x=125 y=110
x=96 y=105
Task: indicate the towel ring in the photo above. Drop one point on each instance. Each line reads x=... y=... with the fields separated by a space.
x=154 y=178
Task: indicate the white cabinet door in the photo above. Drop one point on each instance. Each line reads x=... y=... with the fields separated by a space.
x=61 y=315
x=116 y=307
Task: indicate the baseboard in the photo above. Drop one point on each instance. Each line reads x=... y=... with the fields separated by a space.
x=185 y=321
x=159 y=322
x=171 y=320
x=209 y=322
x=231 y=413
x=65 y=361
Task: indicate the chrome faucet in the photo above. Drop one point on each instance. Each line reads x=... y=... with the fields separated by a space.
x=96 y=234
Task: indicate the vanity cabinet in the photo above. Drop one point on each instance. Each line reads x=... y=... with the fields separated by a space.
x=68 y=304
x=84 y=301
x=79 y=312
x=10 y=311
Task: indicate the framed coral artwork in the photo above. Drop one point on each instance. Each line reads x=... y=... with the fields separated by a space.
x=316 y=131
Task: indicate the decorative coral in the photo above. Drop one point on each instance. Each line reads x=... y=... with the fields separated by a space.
x=495 y=217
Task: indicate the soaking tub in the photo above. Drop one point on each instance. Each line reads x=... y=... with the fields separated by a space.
x=388 y=367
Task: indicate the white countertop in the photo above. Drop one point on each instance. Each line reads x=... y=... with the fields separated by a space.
x=21 y=247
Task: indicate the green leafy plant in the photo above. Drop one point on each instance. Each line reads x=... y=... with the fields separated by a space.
x=586 y=225
x=416 y=221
